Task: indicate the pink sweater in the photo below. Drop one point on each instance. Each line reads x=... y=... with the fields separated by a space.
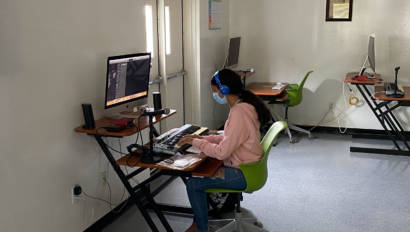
x=240 y=142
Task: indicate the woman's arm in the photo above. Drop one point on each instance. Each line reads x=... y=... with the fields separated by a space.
x=213 y=138
x=234 y=135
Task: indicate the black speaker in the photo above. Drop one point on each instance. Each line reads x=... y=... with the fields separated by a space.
x=157 y=100
x=88 y=116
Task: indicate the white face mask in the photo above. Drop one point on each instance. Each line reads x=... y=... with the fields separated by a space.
x=220 y=100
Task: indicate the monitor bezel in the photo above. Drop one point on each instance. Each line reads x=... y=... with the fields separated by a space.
x=371 y=53
x=227 y=65
x=106 y=79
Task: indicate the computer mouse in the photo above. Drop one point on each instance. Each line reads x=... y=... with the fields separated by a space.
x=181 y=162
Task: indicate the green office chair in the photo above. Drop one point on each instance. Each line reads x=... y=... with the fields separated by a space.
x=256 y=174
x=295 y=97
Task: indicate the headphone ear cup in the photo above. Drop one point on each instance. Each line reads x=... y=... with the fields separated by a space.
x=224 y=89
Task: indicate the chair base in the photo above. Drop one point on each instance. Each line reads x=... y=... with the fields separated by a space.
x=292 y=139
x=238 y=224
x=295 y=128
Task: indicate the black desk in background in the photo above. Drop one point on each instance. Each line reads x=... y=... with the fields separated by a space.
x=383 y=108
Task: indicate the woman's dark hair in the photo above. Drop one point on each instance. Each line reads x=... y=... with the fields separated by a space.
x=233 y=81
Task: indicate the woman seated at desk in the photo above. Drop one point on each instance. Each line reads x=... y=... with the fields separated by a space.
x=239 y=144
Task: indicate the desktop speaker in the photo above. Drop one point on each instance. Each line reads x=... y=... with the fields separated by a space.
x=157 y=100
x=88 y=116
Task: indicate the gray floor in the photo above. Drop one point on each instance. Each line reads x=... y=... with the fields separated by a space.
x=316 y=185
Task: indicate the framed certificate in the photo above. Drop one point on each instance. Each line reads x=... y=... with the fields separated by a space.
x=339 y=10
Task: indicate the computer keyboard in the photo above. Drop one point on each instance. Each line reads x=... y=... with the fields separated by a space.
x=390 y=87
x=167 y=142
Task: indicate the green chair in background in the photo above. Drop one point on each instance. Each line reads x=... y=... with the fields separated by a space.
x=256 y=174
x=295 y=97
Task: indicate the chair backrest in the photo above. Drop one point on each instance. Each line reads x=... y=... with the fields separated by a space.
x=256 y=173
x=295 y=94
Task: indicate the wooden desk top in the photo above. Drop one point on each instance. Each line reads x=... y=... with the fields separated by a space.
x=205 y=167
x=265 y=88
x=350 y=78
x=103 y=122
x=380 y=94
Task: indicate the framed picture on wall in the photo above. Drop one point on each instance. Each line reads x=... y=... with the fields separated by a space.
x=339 y=10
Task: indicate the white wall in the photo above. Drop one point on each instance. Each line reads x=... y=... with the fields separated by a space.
x=282 y=40
x=213 y=49
x=52 y=59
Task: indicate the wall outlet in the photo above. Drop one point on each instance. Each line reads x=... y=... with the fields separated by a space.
x=76 y=194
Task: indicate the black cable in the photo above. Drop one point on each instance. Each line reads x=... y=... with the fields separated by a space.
x=111 y=148
x=109 y=202
x=139 y=130
x=96 y=198
x=139 y=135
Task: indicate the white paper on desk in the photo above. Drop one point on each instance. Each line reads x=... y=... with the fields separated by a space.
x=190 y=158
x=193 y=150
x=278 y=86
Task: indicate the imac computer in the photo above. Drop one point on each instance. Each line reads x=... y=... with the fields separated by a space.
x=127 y=78
x=371 y=58
x=233 y=52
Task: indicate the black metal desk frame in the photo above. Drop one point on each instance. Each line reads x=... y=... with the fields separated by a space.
x=392 y=127
x=141 y=194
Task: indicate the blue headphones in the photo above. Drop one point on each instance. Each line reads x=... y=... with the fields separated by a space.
x=224 y=89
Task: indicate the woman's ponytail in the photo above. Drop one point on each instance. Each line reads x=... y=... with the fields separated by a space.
x=263 y=112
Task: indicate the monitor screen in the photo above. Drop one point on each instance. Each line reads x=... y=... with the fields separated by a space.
x=233 y=52
x=370 y=52
x=127 y=78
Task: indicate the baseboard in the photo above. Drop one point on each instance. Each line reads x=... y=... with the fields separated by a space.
x=355 y=132
x=111 y=216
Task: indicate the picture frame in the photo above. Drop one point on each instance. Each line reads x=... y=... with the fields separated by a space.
x=339 y=10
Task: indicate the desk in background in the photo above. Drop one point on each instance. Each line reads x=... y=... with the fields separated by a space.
x=381 y=106
x=141 y=194
x=264 y=90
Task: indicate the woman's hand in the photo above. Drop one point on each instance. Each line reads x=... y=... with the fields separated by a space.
x=187 y=139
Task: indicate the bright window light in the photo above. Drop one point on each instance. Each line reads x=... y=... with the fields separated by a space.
x=167 y=32
x=149 y=29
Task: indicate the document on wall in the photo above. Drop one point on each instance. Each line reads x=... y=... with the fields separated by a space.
x=215 y=13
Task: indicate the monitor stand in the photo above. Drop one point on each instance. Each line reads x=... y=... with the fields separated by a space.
x=150 y=157
x=363 y=69
x=131 y=114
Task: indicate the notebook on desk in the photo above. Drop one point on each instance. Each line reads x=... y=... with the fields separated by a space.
x=278 y=86
x=180 y=162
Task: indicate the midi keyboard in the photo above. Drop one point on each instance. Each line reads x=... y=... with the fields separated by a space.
x=167 y=142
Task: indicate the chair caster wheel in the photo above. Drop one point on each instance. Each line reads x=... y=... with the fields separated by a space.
x=258 y=224
x=312 y=137
x=293 y=140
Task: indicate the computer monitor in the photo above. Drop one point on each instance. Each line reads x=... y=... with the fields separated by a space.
x=370 y=53
x=127 y=78
x=371 y=58
x=233 y=52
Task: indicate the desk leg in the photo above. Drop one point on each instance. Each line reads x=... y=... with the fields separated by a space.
x=156 y=209
x=128 y=186
x=400 y=130
x=392 y=121
x=378 y=113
